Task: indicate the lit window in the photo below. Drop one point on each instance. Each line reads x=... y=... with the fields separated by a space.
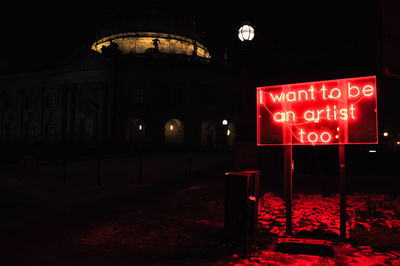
x=372 y=150
x=228 y=132
x=140 y=127
x=142 y=43
x=171 y=127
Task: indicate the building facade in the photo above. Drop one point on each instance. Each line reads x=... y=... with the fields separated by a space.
x=145 y=86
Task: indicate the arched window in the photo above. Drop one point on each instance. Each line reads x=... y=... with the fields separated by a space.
x=33 y=133
x=208 y=134
x=11 y=133
x=87 y=129
x=173 y=131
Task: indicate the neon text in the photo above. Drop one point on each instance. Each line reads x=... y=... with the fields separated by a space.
x=313 y=113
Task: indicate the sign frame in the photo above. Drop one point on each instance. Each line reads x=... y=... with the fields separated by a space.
x=346 y=127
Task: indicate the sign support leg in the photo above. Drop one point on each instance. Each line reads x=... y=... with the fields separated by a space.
x=342 y=173
x=288 y=187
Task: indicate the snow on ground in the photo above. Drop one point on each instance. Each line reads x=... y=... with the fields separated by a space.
x=314 y=216
x=373 y=229
x=178 y=223
x=370 y=217
x=362 y=256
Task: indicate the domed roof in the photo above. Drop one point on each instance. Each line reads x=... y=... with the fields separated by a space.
x=151 y=17
x=135 y=31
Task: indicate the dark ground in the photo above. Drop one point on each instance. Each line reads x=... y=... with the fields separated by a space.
x=144 y=225
x=174 y=223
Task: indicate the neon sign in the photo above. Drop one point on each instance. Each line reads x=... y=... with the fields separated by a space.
x=341 y=111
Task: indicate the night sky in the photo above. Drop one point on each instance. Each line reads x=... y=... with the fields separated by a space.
x=289 y=37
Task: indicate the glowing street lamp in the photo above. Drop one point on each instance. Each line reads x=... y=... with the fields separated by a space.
x=385 y=134
x=246 y=33
x=224 y=122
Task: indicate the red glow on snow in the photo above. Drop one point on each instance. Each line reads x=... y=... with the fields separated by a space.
x=310 y=112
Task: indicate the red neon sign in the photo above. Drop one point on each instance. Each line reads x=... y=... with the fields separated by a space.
x=341 y=111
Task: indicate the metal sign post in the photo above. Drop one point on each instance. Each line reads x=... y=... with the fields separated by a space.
x=288 y=179
x=342 y=178
x=288 y=188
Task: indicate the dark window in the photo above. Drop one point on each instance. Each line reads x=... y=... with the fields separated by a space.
x=82 y=127
x=173 y=97
x=11 y=133
x=139 y=96
x=51 y=100
x=7 y=103
x=28 y=102
x=33 y=133
x=51 y=132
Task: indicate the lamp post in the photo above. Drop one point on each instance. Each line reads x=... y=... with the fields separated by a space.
x=246 y=36
x=245 y=139
x=246 y=33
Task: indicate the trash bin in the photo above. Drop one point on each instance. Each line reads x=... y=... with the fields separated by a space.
x=241 y=198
